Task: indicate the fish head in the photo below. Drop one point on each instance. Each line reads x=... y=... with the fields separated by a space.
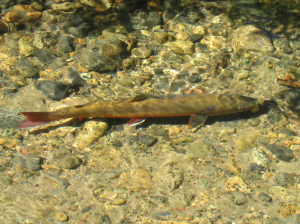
x=234 y=103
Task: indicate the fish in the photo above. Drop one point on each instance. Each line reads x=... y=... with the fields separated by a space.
x=143 y=105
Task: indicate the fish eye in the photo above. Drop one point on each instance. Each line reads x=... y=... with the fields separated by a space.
x=241 y=107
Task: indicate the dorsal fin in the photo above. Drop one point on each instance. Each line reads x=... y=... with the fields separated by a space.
x=141 y=97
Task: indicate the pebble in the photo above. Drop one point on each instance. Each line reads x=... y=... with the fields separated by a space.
x=250 y=38
x=3 y=141
x=66 y=6
x=109 y=195
x=65 y=44
x=239 y=198
x=103 y=55
x=237 y=183
x=28 y=162
x=264 y=197
x=141 y=52
x=60 y=181
x=246 y=141
x=259 y=157
x=101 y=5
x=4 y=28
x=281 y=192
x=26 y=47
x=281 y=152
x=135 y=180
x=282 y=45
x=264 y=140
x=118 y=201
x=285 y=179
x=181 y=47
x=242 y=75
x=198 y=149
x=66 y=160
x=21 y=13
x=61 y=216
x=90 y=132
x=6 y=181
x=137 y=141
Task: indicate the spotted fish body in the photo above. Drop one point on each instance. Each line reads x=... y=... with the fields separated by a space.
x=144 y=106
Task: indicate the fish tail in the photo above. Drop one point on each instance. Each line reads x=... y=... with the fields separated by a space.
x=33 y=119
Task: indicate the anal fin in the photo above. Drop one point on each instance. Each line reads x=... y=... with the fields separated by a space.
x=196 y=120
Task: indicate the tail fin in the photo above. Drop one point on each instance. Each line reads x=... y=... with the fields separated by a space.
x=33 y=119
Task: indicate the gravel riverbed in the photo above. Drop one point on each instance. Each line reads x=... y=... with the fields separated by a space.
x=239 y=168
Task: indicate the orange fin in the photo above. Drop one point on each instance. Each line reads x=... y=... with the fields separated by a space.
x=136 y=121
x=33 y=119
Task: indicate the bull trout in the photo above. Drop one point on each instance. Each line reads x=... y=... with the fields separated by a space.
x=143 y=106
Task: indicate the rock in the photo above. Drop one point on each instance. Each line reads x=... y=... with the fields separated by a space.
x=285 y=179
x=103 y=55
x=53 y=90
x=141 y=52
x=66 y=160
x=237 y=183
x=198 y=149
x=109 y=195
x=263 y=140
x=177 y=86
x=21 y=13
x=282 y=153
x=200 y=200
x=27 y=162
x=239 y=198
x=118 y=201
x=90 y=132
x=214 y=42
x=137 y=141
x=247 y=140
x=66 y=6
x=282 y=193
x=26 y=47
x=135 y=180
x=4 y=28
x=149 y=22
x=26 y=68
x=106 y=220
x=250 y=38
x=242 y=75
x=109 y=158
x=282 y=45
x=78 y=27
x=65 y=44
x=181 y=47
x=168 y=14
x=60 y=181
x=285 y=167
x=101 y=5
x=61 y=216
x=264 y=197
x=259 y=157
x=5 y=181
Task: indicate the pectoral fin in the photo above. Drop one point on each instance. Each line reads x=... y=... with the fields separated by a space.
x=196 y=120
x=136 y=121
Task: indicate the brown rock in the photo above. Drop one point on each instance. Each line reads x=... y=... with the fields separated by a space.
x=21 y=13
